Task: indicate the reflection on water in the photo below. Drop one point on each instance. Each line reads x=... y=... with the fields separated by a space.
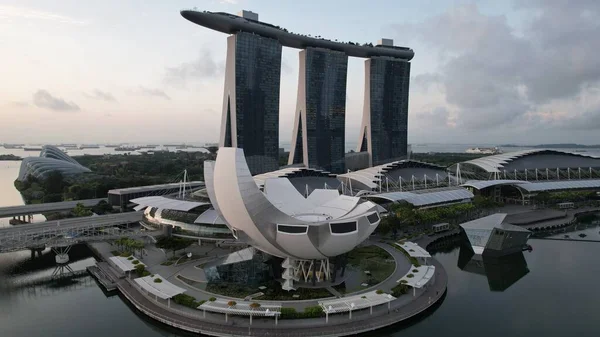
x=501 y=272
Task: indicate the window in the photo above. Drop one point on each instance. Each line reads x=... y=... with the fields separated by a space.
x=343 y=227
x=373 y=218
x=292 y=229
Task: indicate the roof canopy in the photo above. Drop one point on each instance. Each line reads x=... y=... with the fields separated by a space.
x=496 y=163
x=356 y=302
x=481 y=184
x=373 y=175
x=537 y=186
x=413 y=249
x=290 y=172
x=421 y=276
x=167 y=203
x=162 y=290
x=560 y=185
x=427 y=197
x=124 y=263
x=210 y=216
x=242 y=308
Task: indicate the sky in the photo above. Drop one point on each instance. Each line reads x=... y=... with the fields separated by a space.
x=484 y=72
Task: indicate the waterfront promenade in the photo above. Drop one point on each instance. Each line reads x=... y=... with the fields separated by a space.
x=338 y=325
x=192 y=320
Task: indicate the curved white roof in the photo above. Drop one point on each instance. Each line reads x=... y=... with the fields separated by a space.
x=481 y=184
x=210 y=216
x=372 y=176
x=289 y=172
x=167 y=203
x=496 y=162
x=537 y=186
x=427 y=198
x=51 y=159
x=162 y=290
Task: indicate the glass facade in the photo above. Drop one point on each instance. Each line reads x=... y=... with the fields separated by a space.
x=389 y=87
x=257 y=78
x=325 y=81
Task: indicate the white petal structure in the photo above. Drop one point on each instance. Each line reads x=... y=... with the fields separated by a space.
x=280 y=221
x=51 y=159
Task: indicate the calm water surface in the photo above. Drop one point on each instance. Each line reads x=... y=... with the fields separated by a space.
x=552 y=291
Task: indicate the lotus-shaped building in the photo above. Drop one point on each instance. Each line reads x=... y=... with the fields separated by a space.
x=280 y=221
x=51 y=159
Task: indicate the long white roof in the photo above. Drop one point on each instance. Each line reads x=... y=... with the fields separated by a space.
x=425 y=198
x=421 y=276
x=124 y=263
x=241 y=308
x=356 y=302
x=496 y=162
x=537 y=186
x=167 y=203
x=162 y=290
x=413 y=249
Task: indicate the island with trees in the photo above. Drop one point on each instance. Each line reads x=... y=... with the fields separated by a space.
x=9 y=157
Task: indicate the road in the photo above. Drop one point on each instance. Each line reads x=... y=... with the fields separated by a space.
x=65 y=231
x=47 y=207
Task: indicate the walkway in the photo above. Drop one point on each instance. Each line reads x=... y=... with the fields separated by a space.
x=339 y=325
x=66 y=231
x=47 y=207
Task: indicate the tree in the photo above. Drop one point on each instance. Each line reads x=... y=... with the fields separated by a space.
x=81 y=211
x=54 y=182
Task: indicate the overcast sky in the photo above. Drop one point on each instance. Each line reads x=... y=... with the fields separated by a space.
x=514 y=71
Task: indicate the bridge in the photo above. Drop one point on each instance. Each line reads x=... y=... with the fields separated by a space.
x=68 y=231
x=9 y=211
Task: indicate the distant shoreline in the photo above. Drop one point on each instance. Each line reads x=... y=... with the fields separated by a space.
x=9 y=157
x=554 y=146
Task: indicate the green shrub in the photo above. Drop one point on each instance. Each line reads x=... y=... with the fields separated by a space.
x=399 y=290
x=410 y=275
x=201 y=302
x=130 y=258
x=309 y=312
x=212 y=299
x=415 y=270
x=157 y=280
x=288 y=313
x=135 y=262
x=379 y=291
x=313 y=312
x=403 y=281
x=231 y=303
x=125 y=254
x=363 y=297
x=254 y=305
x=186 y=300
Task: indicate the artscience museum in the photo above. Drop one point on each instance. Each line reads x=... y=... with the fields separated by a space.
x=303 y=230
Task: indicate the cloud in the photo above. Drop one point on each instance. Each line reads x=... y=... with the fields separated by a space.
x=43 y=99
x=151 y=92
x=228 y=2
x=30 y=14
x=492 y=76
x=204 y=67
x=20 y=104
x=101 y=95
